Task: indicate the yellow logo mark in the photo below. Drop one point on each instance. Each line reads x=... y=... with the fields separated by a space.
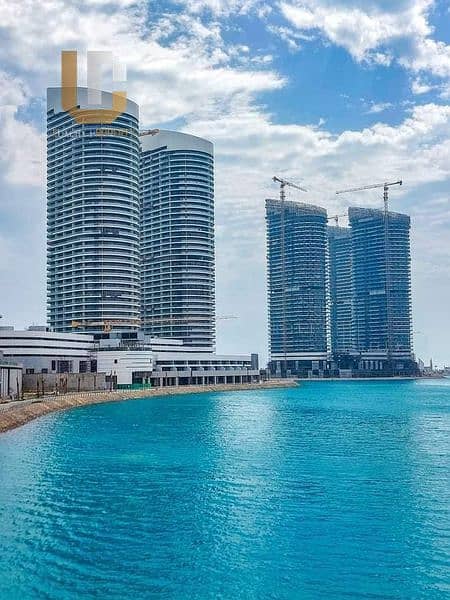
x=69 y=101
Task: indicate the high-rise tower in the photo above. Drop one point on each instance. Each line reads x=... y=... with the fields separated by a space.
x=297 y=287
x=177 y=237
x=341 y=290
x=381 y=274
x=92 y=217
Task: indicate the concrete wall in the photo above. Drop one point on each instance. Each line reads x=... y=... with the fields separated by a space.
x=10 y=381
x=70 y=382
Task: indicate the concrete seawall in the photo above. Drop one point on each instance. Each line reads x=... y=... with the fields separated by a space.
x=15 y=414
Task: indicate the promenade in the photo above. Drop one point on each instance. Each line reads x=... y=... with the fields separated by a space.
x=15 y=414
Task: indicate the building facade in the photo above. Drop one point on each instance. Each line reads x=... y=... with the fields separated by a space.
x=38 y=350
x=177 y=237
x=178 y=367
x=341 y=291
x=297 y=288
x=120 y=358
x=381 y=273
x=93 y=255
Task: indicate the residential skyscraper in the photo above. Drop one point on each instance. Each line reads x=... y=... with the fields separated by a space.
x=92 y=217
x=341 y=290
x=177 y=237
x=297 y=287
x=381 y=273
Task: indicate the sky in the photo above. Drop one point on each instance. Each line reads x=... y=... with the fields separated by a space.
x=328 y=94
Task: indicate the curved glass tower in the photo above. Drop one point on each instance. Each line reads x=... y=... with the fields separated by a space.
x=177 y=237
x=296 y=264
x=92 y=217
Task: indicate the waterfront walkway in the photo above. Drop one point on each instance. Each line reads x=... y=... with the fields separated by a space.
x=15 y=414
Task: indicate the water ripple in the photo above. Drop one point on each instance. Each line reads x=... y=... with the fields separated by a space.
x=333 y=490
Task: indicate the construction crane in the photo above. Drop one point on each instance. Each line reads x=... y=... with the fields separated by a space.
x=106 y=325
x=385 y=187
x=163 y=321
x=283 y=183
x=336 y=218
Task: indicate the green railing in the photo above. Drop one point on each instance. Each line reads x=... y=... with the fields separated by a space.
x=133 y=386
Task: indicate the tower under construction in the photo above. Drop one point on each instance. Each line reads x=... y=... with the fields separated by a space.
x=341 y=291
x=296 y=255
x=381 y=279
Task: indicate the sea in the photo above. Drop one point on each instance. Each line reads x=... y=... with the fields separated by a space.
x=331 y=489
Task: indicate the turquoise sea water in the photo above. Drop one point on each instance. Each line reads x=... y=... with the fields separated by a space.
x=332 y=490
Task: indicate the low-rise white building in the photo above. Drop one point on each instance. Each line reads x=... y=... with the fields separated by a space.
x=178 y=367
x=41 y=351
x=127 y=358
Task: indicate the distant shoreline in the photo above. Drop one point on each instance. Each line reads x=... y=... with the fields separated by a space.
x=18 y=413
x=440 y=378
x=365 y=379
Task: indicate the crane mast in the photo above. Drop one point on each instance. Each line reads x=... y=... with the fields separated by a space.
x=283 y=183
x=107 y=325
x=336 y=218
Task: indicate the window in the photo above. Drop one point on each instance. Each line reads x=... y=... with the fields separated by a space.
x=64 y=366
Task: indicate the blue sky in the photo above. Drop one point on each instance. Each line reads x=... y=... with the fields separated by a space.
x=328 y=93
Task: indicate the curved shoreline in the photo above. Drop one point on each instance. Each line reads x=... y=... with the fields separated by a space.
x=16 y=414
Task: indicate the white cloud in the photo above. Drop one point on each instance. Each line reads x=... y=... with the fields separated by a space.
x=168 y=79
x=428 y=55
x=376 y=108
x=21 y=146
x=419 y=86
x=12 y=91
x=225 y=7
x=445 y=92
x=291 y=36
x=366 y=29
x=418 y=150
